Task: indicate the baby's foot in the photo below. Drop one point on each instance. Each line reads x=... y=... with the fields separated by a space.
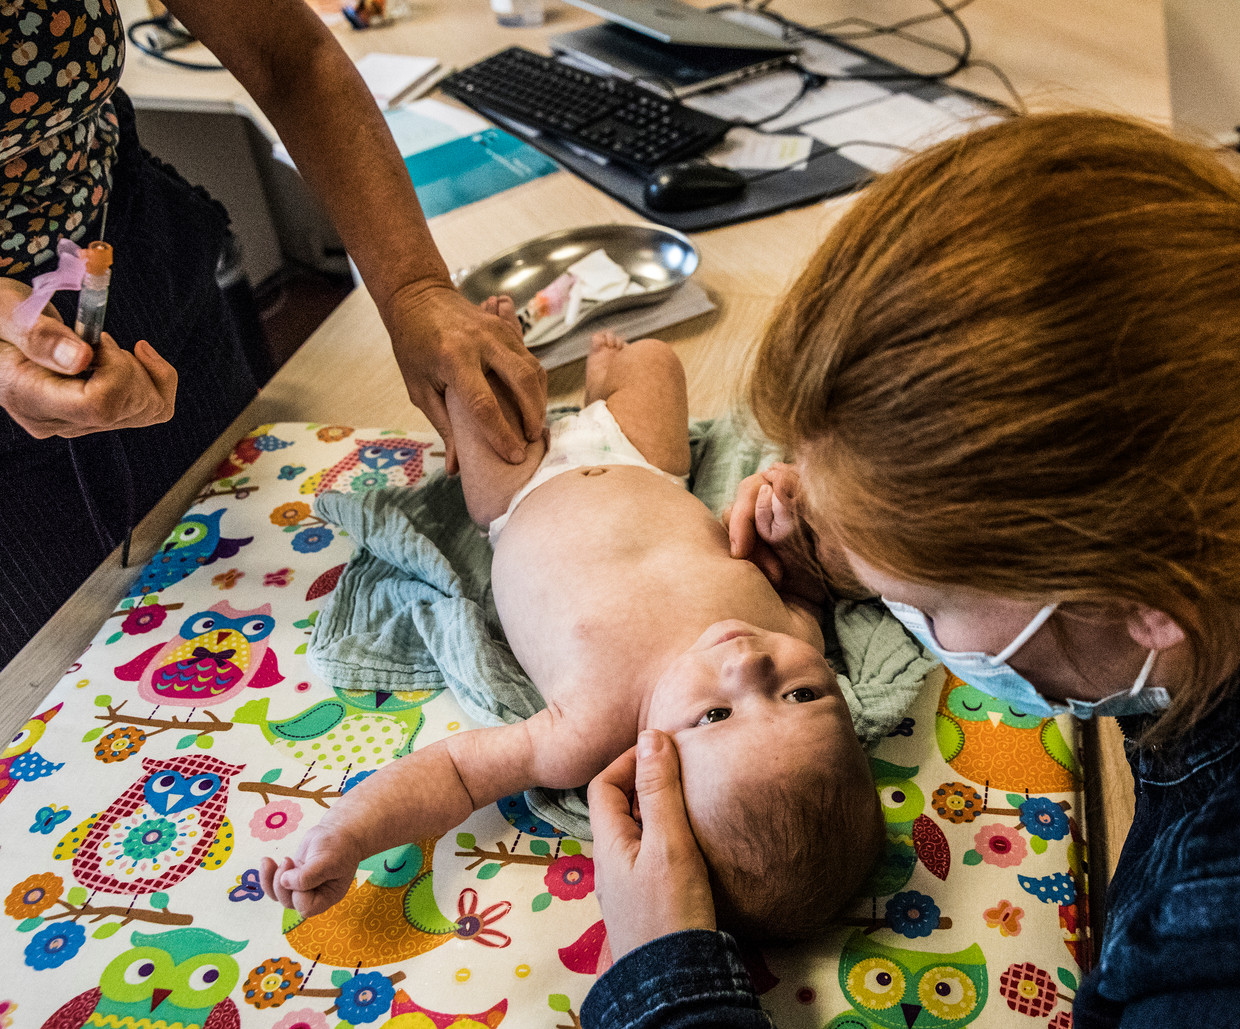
x=605 y=345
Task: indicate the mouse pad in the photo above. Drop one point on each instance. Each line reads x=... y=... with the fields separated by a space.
x=826 y=173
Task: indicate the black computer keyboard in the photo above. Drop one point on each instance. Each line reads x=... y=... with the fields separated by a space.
x=614 y=119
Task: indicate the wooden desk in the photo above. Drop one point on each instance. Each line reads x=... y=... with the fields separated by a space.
x=1102 y=53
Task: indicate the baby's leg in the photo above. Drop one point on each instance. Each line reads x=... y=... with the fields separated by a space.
x=488 y=480
x=644 y=386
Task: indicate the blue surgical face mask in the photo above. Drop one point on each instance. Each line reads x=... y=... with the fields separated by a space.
x=994 y=676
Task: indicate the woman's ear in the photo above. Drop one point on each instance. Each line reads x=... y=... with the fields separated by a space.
x=1153 y=630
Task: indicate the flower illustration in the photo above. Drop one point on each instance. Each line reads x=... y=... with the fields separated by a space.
x=280 y=577
x=291 y=471
x=472 y=924
x=310 y=540
x=368 y=480
x=33 y=895
x=570 y=877
x=957 y=802
x=912 y=914
x=306 y=1018
x=267 y=442
x=144 y=619
x=227 y=580
x=53 y=946
x=1063 y=1020
x=365 y=997
x=47 y=818
x=272 y=983
x=1044 y=818
x=1028 y=990
x=334 y=433
x=291 y=513
x=140 y=843
x=119 y=744
x=1005 y=917
x=1000 y=845
x=276 y=820
x=149 y=839
x=7 y=1007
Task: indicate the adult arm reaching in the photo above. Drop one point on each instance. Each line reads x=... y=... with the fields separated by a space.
x=299 y=75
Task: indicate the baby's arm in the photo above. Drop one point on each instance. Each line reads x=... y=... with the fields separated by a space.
x=428 y=793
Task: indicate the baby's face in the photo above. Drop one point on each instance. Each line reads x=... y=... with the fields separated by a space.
x=747 y=703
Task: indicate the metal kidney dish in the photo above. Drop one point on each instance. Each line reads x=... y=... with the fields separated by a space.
x=660 y=259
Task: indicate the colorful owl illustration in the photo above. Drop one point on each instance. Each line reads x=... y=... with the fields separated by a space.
x=19 y=762
x=374 y=463
x=991 y=742
x=177 y=978
x=217 y=653
x=408 y=1015
x=196 y=541
x=392 y=915
x=358 y=730
x=911 y=835
x=159 y=830
x=909 y=989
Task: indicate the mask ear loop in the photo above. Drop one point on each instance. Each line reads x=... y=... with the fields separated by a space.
x=1144 y=673
x=1038 y=621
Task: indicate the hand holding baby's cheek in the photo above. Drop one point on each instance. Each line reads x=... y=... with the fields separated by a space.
x=650 y=877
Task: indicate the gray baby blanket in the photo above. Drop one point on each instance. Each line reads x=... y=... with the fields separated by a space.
x=413 y=610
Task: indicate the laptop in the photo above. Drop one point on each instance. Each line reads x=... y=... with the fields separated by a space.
x=672 y=21
x=668 y=54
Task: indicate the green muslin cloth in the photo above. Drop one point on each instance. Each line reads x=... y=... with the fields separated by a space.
x=413 y=610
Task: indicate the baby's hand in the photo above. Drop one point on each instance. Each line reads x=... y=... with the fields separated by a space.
x=317 y=876
x=763 y=524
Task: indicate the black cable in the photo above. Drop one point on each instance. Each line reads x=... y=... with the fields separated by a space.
x=877 y=29
x=179 y=38
x=809 y=80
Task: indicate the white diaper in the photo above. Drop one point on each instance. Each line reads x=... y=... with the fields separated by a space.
x=589 y=438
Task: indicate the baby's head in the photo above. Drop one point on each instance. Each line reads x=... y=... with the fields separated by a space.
x=777 y=787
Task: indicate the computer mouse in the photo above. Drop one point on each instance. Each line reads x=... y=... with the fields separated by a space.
x=692 y=184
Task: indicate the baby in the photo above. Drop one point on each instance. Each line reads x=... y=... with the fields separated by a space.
x=620 y=599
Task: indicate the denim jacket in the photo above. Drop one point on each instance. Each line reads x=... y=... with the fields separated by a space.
x=1170 y=952
x=1171 y=948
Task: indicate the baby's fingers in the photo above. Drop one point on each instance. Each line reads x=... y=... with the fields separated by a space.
x=270 y=874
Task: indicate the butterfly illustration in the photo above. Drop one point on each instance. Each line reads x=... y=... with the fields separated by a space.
x=247 y=887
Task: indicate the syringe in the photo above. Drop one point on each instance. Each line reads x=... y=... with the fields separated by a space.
x=93 y=299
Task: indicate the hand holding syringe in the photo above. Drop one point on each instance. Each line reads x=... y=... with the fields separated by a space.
x=42 y=386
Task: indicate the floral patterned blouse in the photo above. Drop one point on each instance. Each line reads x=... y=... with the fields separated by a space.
x=60 y=61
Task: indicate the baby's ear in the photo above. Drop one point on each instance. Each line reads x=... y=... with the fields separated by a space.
x=1152 y=629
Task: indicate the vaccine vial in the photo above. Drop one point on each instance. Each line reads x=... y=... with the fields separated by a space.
x=518 y=13
x=93 y=298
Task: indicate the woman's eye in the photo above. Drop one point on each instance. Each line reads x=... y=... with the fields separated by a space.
x=801 y=695
x=715 y=714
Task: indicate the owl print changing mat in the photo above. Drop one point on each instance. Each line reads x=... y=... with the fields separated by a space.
x=191 y=739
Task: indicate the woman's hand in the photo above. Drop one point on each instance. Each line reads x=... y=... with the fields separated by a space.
x=444 y=342
x=40 y=390
x=650 y=876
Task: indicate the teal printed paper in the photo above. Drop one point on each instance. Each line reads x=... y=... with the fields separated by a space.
x=474 y=167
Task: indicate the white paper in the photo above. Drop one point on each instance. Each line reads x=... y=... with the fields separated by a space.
x=747 y=148
x=388 y=76
x=900 y=120
x=837 y=95
x=749 y=99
